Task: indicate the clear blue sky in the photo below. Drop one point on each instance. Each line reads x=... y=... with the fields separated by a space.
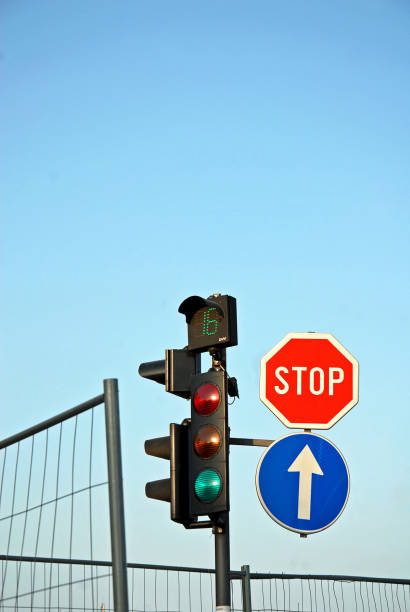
x=155 y=150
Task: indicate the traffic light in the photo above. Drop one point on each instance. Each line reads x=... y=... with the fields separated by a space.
x=172 y=489
x=198 y=448
x=211 y=322
x=208 y=445
x=174 y=371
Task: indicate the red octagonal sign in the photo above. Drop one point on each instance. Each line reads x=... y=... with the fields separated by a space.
x=309 y=380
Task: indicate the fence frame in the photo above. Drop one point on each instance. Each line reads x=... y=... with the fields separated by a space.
x=115 y=486
x=244 y=575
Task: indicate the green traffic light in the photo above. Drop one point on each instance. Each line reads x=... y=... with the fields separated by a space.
x=208 y=486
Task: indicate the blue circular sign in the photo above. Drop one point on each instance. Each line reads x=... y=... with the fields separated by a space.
x=303 y=482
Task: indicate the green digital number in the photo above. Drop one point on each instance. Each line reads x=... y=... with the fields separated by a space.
x=209 y=326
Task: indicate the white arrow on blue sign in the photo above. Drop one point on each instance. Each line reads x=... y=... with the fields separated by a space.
x=303 y=482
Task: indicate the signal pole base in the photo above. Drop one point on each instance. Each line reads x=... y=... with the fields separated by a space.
x=222 y=563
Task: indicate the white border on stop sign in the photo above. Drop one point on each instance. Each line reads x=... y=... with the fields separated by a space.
x=309 y=336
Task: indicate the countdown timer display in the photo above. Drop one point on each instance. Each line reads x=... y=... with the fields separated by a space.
x=209 y=327
x=205 y=323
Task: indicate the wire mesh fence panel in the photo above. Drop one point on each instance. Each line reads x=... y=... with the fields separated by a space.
x=87 y=585
x=334 y=594
x=53 y=504
x=58 y=587
x=170 y=590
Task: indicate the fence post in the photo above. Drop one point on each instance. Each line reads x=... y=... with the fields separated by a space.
x=246 y=589
x=116 y=497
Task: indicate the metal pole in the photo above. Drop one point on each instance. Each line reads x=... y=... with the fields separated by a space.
x=221 y=525
x=118 y=550
x=246 y=589
x=222 y=564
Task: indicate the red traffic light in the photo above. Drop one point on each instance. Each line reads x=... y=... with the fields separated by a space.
x=206 y=399
x=207 y=441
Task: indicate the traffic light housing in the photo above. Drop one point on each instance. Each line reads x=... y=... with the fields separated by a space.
x=198 y=448
x=173 y=489
x=208 y=445
x=174 y=371
x=211 y=322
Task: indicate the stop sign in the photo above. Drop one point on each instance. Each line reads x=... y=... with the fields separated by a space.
x=309 y=380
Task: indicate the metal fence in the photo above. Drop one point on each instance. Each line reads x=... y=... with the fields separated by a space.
x=70 y=584
x=55 y=585
x=61 y=497
x=61 y=509
x=319 y=593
